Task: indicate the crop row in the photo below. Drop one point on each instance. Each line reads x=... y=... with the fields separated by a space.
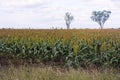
x=67 y=53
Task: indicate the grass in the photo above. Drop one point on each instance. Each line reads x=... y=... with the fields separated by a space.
x=49 y=73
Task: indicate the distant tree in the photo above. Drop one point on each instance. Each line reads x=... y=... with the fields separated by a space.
x=68 y=19
x=100 y=17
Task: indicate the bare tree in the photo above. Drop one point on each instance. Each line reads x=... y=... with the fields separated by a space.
x=68 y=19
x=100 y=17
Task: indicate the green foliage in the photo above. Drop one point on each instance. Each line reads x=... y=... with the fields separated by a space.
x=63 y=52
x=100 y=17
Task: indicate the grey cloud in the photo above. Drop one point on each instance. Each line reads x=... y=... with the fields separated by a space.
x=51 y=13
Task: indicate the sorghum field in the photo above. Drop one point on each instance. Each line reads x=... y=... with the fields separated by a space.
x=64 y=48
x=68 y=47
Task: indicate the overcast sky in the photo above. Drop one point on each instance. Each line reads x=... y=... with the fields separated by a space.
x=50 y=13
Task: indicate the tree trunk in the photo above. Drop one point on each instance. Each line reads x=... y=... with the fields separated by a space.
x=68 y=26
x=101 y=25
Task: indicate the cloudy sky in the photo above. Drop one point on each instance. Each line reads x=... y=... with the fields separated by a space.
x=50 y=13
